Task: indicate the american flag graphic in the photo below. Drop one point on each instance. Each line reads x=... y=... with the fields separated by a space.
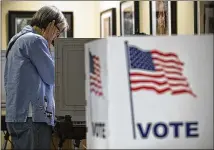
x=95 y=79
x=157 y=71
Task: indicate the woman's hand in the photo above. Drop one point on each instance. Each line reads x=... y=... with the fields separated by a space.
x=50 y=33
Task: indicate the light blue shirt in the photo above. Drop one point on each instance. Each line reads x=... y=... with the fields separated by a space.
x=29 y=77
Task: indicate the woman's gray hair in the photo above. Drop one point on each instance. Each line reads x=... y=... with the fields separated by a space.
x=47 y=14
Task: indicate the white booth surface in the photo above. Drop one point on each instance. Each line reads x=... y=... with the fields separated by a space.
x=150 y=92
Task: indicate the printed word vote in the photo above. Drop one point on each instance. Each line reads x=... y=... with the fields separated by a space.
x=98 y=130
x=162 y=129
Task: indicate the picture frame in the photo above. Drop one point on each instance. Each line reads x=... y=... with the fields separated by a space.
x=197 y=17
x=203 y=17
x=129 y=18
x=209 y=18
x=108 y=24
x=163 y=17
x=18 y=19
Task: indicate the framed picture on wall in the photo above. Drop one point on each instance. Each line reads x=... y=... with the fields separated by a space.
x=203 y=17
x=108 y=23
x=19 y=19
x=209 y=18
x=163 y=17
x=129 y=17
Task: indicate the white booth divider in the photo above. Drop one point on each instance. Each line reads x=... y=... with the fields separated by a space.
x=150 y=92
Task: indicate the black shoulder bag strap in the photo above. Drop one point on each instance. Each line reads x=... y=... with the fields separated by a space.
x=12 y=43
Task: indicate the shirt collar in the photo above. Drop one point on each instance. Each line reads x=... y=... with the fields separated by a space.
x=37 y=30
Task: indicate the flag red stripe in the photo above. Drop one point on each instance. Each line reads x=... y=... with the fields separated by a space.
x=164 y=54
x=183 y=91
x=150 y=88
x=168 y=66
x=96 y=92
x=149 y=81
x=179 y=84
x=96 y=62
x=146 y=75
x=169 y=72
x=96 y=58
x=96 y=85
x=176 y=79
x=95 y=79
x=97 y=72
x=168 y=61
x=97 y=66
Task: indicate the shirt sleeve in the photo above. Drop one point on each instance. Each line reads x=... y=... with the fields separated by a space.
x=41 y=58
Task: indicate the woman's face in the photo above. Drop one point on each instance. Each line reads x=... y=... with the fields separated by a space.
x=60 y=29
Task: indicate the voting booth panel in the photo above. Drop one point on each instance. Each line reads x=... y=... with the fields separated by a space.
x=70 y=123
x=96 y=86
x=70 y=77
x=158 y=92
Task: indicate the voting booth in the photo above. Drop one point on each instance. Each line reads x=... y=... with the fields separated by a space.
x=70 y=90
x=150 y=92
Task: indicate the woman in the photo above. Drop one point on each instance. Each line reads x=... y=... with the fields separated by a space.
x=29 y=80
